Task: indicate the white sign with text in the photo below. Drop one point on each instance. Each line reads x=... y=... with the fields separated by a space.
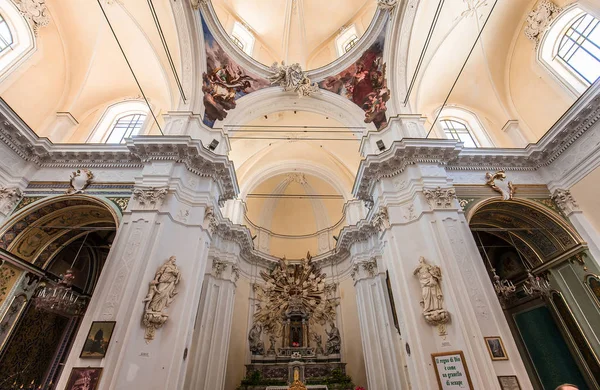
x=452 y=372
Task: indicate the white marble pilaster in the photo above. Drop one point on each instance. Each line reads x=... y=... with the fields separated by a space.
x=382 y=344
x=157 y=224
x=210 y=345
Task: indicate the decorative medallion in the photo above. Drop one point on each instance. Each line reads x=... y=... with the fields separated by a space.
x=161 y=293
x=80 y=180
x=496 y=181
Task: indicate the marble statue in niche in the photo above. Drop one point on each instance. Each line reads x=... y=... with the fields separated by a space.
x=257 y=346
x=432 y=301
x=161 y=294
x=334 y=341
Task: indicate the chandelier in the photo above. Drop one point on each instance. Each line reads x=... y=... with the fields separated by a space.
x=60 y=298
x=536 y=286
x=504 y=288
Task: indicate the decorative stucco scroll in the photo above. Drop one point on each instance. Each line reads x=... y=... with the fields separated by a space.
x=540 y=19
x=292 y=78
x=35 y=12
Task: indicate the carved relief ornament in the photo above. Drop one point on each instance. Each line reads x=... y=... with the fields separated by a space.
x=292 y=78
x=387 y=5
x=540 y=19
x=381 y=219
x=80 y=180
x=439 y=198
x=565 y=201
x=507 y=192
x=9 y=197
x=161 y=293
x=151 y=197
x=35 y=12
x=218 y=267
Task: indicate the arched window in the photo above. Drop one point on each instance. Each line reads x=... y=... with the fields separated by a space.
x=243 y=38
x=346 y=40
x=120 y=121
x=17 y=41
x=125 y=127
x=463 y=125
x=570 y=49
x=458 y=130
x=6 y=38
x=579 y=47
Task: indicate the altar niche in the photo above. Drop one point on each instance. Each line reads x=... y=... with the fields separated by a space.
x=294 y=307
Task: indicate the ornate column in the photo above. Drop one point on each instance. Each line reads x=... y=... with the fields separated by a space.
x=569 y=207
x=382 y=344
x=210 y=344
x=445 y=302
x=179 y=182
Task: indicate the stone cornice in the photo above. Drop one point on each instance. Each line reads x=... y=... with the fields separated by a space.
x=138 y=151
x=584 y=113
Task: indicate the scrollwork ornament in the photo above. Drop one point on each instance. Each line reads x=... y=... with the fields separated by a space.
x=80 y=180
x=381 y=219
x=210 y=220
x=565 y=201
x=370 y=267
x=161 y=293
x=9 y=198
x=35 y=12
x=540 y=19
x=387 y=5
x=495 y=180
x=292 y=78
x=439 y=198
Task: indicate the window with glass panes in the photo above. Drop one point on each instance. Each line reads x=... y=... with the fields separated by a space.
x=350 y=43
x=579 y=47
x=125 y=127
x=6 y=38
x=459 y=131
x=237 y=42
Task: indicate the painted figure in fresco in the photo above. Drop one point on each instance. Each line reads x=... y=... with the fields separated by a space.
x=334 y=341
x=430 y=277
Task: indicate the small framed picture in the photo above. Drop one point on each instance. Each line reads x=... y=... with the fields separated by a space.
x=84 y=378
x=97 y=340
x=509 y=382
x=496 y=348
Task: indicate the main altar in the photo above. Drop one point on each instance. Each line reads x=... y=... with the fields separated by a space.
x=295 y=312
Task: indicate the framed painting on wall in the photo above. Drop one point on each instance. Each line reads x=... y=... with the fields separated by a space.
x=86 y=378
x=98 y=339
x=509 y=382
x=496 y=348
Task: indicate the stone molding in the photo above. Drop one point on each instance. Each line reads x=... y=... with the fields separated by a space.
x=138 y=151
x=440 y=198
x=565 y=201
x=449 y=153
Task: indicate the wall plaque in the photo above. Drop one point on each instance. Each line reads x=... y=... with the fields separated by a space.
x=451 y=371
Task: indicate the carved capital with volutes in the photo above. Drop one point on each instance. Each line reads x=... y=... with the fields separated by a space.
x=150 y=198
x=565 y=201
x=440 y=198
x=381 y=219
x=9 y=198
x=225 y=270
x=364 y=269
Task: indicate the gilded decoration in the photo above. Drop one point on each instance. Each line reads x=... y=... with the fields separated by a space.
x=297 y=384
x=7 y=280
x=496 y=181
x=121 y=202
x=465 y=203
x=80 y=180
x=161 y=293
x=593 y=283
x=293 y=287
x=432 y=301
x=27 y=200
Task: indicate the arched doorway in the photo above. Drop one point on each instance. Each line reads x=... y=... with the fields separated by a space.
x=37 y=246
x=528 y=245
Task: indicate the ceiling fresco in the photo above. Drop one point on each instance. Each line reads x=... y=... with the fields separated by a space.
x=364 y=82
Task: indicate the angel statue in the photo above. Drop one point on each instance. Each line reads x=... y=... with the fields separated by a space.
x=257 y=346
x=161 y=293
x=432 y=302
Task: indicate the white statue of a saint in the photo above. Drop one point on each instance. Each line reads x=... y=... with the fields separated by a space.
x=432 y=301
